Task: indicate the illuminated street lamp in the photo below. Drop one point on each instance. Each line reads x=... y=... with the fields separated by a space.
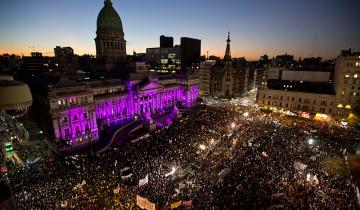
x=246 y=114
x=202 y=147
x=311 y=141
x=211 y=141
x=233 y=125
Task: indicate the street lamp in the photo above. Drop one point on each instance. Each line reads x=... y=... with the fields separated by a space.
x=233 y=125
x=202 y=147
x=246 y=114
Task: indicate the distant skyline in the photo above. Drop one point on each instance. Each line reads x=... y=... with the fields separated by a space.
x=257 y=26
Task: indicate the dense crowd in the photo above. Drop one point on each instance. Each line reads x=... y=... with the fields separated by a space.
x=10 y=130
x=222 y=156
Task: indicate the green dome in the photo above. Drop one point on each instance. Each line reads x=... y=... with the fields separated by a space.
x=108 y=19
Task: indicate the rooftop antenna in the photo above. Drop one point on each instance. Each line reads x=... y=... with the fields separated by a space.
x=313 y=47
x=33 y=48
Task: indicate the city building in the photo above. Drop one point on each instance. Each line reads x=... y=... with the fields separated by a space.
x=300 y=92
x=347 y=82
x=110 y=42
x=38 y=62
x=190 y=51
x=304 y=103
x=164 y=60
x=172 y=59
x=10 y=63
x=66 y=60
x=283 y=73
x=75 y=112
x=166 y=41
x=63 y=52
x=223 y=79
x=204 y=75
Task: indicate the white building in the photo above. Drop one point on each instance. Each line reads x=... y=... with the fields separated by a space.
x=339 y=106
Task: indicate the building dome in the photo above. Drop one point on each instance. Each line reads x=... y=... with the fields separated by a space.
x=15 y=96
x=108 y=19
x=6 y=78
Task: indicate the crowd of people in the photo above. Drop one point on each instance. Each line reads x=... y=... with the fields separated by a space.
x=219 y=156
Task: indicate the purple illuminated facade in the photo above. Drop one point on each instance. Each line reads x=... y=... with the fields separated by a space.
x=79 y=111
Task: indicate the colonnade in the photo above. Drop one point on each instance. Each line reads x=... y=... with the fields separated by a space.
x=140 y=103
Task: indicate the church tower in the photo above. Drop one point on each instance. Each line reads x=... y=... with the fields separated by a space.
x=110 y=42
x=227 y=56
x=228 y=80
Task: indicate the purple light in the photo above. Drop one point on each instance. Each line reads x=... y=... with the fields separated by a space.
x=82 y=123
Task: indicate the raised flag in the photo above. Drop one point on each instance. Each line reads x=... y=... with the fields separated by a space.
x=144 y=203
x=117 y=190
x=64 y=204
x=126 y=176
x=3 y=169
x=264 y=154
x=144 y=181
x=187 y=203
x=175 y=205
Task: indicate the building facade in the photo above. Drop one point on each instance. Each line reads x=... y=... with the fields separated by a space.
x=77 y=112
x=38 y=62
x=347 y=82
x=190 y=51
x=65 y=58
x=164 y=60
x=63 y=52
x=204 y=75
x=223 y=79
x=296 y=101
x=345 y=97
x=172 y=59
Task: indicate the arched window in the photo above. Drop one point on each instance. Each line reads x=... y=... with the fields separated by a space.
x=340 y=106
x=347 y=107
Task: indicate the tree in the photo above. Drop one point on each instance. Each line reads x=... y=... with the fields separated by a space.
x=354 y=116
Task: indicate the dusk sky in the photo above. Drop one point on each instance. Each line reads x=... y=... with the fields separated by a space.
x=257 y=26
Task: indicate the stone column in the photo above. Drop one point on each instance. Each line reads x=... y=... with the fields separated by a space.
x=154 y=102
x=71 y=127
x=57 y=128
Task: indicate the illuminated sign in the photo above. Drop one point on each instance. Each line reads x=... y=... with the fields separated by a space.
x=8 y=147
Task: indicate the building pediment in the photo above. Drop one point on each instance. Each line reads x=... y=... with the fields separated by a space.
x=150 y=86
